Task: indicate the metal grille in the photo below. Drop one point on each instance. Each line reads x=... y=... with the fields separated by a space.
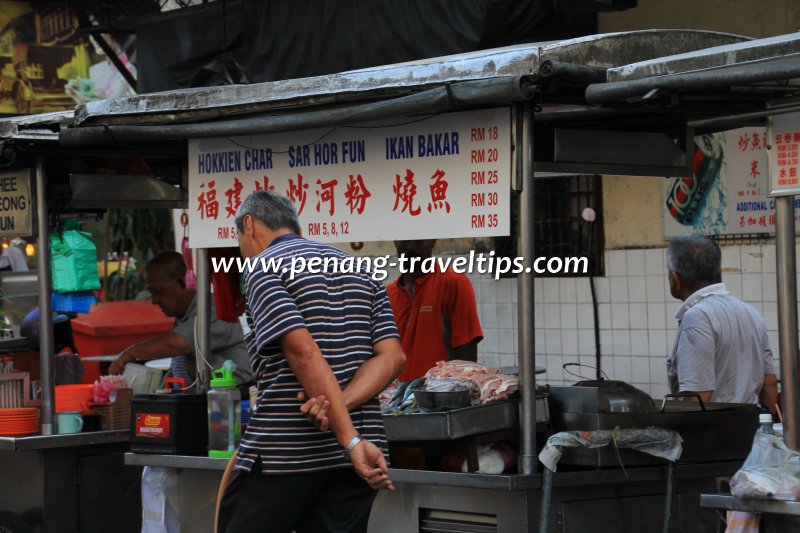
x=742 y=239
x=559 y=229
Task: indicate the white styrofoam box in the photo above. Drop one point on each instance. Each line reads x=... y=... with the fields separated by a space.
x=569 y=316
x=637 y=289
x=657 y=343
x=617 y=263
x=654 y=262
x=552 y=316
x=638 y=316
x=654 y=286
x=552 y=341
x=635 y=262
x=639 y=343
x=656 y=316
x=751 y=288
x=751 y=258
x=619 y=289
x=731 y=258
x=567 y=290
x=640 y=369
x=620 y=318
x=569 y=342
x=622 y=342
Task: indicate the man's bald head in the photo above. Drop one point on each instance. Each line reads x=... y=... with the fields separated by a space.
x=168 y=266
x=165 y=278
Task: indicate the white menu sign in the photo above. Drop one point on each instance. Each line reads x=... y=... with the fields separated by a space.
x=440 y=177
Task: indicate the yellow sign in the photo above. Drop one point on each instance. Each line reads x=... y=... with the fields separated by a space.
x=15 y=204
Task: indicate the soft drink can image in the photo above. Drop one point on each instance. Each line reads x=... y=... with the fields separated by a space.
x=687 y=193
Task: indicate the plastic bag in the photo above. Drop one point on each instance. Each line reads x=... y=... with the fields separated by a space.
x=771 y=471
x=160 y=500
x=73 y=261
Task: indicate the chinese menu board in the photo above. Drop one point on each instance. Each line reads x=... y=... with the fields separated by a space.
x=728 y=191
x=783 y=154
x=445 y=176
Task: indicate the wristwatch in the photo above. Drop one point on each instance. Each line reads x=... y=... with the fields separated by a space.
x=351 y=446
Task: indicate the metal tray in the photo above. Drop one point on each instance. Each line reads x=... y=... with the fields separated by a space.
x=459 y=423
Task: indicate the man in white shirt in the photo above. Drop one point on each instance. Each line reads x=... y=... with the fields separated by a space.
x=722 y=351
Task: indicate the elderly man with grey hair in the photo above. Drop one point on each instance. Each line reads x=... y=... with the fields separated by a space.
x=312 y=334
x=721 y=352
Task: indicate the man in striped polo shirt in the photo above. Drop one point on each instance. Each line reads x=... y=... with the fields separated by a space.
x=311 y=332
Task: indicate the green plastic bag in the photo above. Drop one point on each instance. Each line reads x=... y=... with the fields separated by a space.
x=73 y=260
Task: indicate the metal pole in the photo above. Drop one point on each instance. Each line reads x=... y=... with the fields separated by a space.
x=787 y=319
x=46 y=344
x=203 y=322
x=527 y=359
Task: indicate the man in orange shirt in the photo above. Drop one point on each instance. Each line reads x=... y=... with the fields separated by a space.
x=436 y=313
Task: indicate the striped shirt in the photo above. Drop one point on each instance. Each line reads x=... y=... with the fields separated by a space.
x=346 y=314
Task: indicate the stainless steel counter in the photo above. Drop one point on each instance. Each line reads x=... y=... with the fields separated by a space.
x=176 y=461
x=42 y=442
x=732 y=503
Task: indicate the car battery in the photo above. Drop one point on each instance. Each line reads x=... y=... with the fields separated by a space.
x=173 y=424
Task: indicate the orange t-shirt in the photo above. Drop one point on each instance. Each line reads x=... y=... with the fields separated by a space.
x=441 y=315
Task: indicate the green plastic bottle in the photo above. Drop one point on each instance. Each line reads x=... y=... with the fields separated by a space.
x=224 y=412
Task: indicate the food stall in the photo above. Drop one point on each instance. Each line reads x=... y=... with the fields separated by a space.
x=57 y=480
x=536 y=97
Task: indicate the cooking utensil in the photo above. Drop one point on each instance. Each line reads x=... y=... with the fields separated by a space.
x=619 y=397
x=441 y=401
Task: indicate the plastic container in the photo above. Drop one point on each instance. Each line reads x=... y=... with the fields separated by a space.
x=224 y=413
x=111 y=327
x=765 y=424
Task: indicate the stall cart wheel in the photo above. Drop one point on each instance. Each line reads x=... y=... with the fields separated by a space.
x=13 y=523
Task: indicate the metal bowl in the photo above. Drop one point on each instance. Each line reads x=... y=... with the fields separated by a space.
x=441 y=401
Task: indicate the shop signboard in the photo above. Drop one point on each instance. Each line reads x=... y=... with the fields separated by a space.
x=15 y=204
x=784 y=162
x=440 y=176
x=729 y=190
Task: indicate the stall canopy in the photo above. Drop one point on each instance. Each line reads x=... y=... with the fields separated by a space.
x=621 y=103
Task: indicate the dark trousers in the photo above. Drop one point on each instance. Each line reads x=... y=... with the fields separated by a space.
x=336 y=501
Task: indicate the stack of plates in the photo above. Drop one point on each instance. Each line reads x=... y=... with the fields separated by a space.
x=19 y=421
x=74 y=398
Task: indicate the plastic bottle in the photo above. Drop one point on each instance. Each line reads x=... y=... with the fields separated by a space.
x=224 y=412
x=765 y=424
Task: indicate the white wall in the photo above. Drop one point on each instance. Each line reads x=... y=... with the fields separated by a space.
x=636 y=314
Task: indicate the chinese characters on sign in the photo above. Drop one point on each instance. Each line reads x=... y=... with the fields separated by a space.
x=729 y=191
x=784 y=135
x=448 y=176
